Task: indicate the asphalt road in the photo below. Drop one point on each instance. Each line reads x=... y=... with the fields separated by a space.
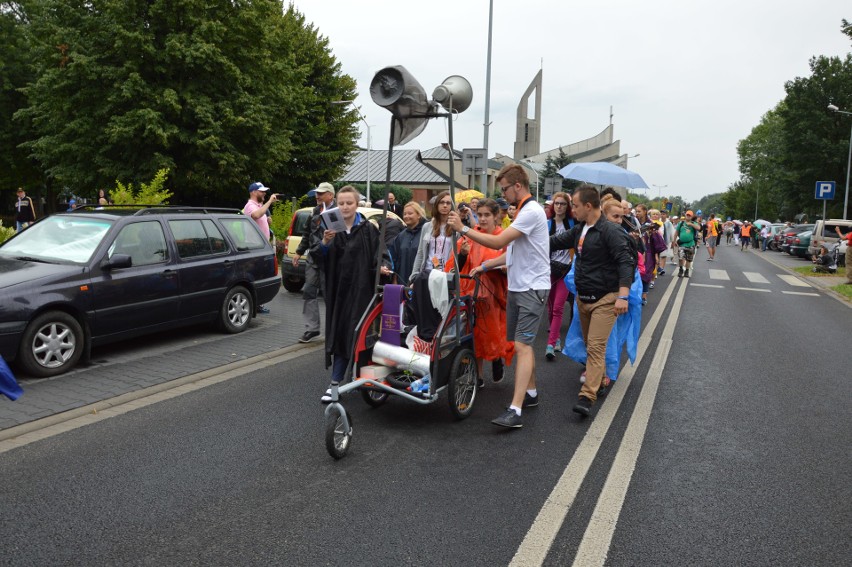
x=728 y=443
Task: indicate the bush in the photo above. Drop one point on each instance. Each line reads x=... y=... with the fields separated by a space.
x=6 y=232
x=152 y=193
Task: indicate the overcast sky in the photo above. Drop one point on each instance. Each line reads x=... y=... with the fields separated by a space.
x=686 y=79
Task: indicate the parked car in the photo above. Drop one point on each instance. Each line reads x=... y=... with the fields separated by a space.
x=293 y=277
x=774 y=236
x=799 y=246
x=792 y=233
x=90 y=277
x=825 y=232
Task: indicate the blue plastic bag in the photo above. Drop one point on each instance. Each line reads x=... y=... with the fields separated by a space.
x=8 y=385
x=625 y=332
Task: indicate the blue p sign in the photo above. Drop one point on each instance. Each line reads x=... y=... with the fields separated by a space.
x=825 y=190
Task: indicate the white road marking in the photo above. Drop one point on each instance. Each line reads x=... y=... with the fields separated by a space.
x=753 y=289
x=719 y=275
x=801 y=293
x=755 y=277
x=536 y=544
x=706 y=285
x=793 y=280
x=596 y=541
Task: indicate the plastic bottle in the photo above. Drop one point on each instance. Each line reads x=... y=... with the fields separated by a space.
x=421 y=385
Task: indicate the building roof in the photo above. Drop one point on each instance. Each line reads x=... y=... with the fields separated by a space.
x=440 y=153
x=407 y=168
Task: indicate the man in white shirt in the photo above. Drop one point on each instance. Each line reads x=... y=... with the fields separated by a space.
x=527 y=258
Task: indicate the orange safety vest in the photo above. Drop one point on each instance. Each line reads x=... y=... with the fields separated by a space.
x=745 y=231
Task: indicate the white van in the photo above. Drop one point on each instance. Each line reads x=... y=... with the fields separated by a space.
x=825 y=233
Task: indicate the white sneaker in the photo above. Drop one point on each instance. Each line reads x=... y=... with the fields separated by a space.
x=583 y=377
x=326 y=398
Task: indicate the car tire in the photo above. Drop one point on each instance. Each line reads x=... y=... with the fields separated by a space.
x=51 y=345
x=237 y=310
x=292 y=284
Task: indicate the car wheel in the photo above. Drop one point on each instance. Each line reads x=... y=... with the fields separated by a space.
x=52 y=344
x=293 y=285
x=237 y=310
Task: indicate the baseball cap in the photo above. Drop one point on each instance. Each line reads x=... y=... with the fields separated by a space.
x=325 y=187
x=504 y=204
x=258 y=186
x=690 y=213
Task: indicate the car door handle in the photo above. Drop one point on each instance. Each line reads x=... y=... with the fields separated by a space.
x=169 y=274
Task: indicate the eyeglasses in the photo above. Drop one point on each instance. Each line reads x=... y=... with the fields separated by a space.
x=507 y=187
x=559 y=204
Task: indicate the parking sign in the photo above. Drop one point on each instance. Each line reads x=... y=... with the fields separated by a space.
x=825 y=190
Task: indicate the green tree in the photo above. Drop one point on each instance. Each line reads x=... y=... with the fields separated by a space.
x=153 y=193
x=552 y=165
x=218 y=92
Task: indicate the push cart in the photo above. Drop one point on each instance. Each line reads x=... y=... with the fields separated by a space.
x=382 y=366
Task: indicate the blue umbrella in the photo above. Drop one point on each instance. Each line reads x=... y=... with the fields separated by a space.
x=312 y=193
x=603 y=173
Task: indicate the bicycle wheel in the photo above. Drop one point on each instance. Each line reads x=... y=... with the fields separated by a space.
x=374 y=398
x=462 y=383
x=337 y=439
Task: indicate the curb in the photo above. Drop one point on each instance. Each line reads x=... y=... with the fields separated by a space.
x=268 y=359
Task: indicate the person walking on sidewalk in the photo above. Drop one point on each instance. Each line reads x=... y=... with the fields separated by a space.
x=848 y=238
x=712 y=237
x=603 y=273
x=256 y=209
x=687 y=234
x=314 y=275
x=528 y=269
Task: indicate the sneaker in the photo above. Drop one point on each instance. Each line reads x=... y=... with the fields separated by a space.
x=529 y=401
x=326 y=398
x=558 y=346
x=651 y=285
x=480 y=383
x=709 y=259
x=508 y=419
x=497 y=370
x=583 y=406
x=308 y=336
x=680 y=272
x=604 y=387
x=645 y=301
x=263 y=309
x=549 y=353
x=661 y=272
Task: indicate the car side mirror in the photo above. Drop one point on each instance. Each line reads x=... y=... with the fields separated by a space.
x=117 y=261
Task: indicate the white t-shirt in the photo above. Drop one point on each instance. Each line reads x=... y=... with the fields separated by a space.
x=528 y=257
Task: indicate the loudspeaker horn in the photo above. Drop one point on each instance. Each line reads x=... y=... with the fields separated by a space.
x=454 y=94
x=395 y=89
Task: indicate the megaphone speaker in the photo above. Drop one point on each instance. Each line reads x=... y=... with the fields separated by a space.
x=455 y=93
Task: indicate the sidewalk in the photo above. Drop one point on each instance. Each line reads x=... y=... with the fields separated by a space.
x=789 y=263
x=134 y=365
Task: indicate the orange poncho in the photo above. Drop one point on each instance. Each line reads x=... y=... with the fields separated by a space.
x=489 y=333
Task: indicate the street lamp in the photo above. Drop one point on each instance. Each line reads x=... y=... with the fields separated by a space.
x=833 y=108
x=369 y=141
x=529 y=164
x=659 y=190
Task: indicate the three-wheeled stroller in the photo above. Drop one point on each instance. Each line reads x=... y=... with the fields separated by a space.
x=382 y=366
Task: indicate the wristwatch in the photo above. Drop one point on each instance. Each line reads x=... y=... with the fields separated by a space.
x=465 y=229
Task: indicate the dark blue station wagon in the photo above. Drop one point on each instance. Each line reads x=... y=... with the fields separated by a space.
x=86 y=278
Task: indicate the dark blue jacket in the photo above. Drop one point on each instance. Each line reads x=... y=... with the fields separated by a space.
x=404 y=250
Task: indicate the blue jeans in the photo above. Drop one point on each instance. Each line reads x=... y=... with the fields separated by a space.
x=338 y=368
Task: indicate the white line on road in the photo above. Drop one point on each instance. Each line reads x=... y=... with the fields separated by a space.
x=533 y=550
x=598 y=537
x=801 y=293
x=719 y=275
x=753 y=289
x=793 y=280
x=707 y=285
x=755 y=277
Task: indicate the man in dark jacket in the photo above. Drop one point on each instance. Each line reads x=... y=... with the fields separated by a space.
x=24 y=211
x=314 y=276
x=603 y=273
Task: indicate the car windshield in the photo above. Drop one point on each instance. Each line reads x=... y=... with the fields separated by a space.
x=61 y=238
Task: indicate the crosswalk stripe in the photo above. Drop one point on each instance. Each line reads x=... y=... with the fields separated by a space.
x=801 y=293
x=706 y=285
x=793 y=280
x=755 y=277
x=754 y=289
x=719 y=275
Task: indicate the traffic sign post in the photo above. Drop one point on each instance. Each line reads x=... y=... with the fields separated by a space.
x=825 y=191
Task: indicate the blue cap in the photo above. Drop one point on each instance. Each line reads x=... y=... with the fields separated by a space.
x=258 y=186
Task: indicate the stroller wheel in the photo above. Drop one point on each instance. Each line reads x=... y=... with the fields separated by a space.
x=462 y=383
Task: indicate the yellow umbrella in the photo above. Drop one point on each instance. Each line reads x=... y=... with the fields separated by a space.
x=468 y=194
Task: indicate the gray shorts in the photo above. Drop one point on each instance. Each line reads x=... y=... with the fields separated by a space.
x=711 y=242
x=523 y=314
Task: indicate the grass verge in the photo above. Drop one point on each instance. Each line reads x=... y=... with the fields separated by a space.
x=806 y=271
x=844 y=290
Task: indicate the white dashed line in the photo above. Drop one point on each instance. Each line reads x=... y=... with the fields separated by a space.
x=793 y=280
x=800 y=293
x=706 y=285
x=754 y=289
x=755 y=277
x=719 y=275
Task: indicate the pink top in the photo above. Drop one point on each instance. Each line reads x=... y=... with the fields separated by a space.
x=263 y=221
